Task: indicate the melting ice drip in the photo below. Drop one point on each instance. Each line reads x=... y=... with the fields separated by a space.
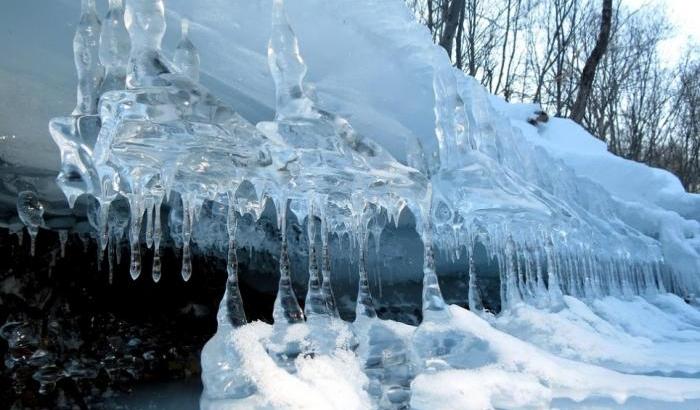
x=145 y=133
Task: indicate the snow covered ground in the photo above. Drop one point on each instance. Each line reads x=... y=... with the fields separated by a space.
x=578 y=357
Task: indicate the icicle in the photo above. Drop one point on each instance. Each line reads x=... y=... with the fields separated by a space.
x=97 y=213
x=378 y=273
x=110 y=258
x=157 y=265
x=145 y=22
x=136 y=206
x=149 y=222
x=365 y=303
x=553 y=288
x=434 y=307
x=286 y=308
x=234 y=301
x=187 y=214
x=287 y=67
x=186 y=57
x=511 y=275
x=657 y=274
x=315 y=307
x=541 y=290
x=63 y=238
x=20 y=237
x=87 y=62
x=474 y=295
x=31 y=212
x=103 y=226
x=326 y=287
x=114 y=47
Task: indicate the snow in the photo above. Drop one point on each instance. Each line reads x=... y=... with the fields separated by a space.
x=524 y=371
x=610 y=333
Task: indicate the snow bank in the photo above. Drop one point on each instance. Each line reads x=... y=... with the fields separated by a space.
x=524 y=370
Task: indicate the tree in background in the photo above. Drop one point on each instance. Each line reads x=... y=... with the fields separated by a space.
x=589 y=69
x=595 y=61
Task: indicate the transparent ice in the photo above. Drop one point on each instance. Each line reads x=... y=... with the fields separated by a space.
x=552 y=235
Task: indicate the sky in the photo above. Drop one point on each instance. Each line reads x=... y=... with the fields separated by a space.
x=685 y=15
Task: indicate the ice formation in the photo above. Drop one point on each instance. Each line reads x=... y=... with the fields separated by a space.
x=146 y=134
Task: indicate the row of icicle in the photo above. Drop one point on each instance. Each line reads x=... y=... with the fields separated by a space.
x=527 y=272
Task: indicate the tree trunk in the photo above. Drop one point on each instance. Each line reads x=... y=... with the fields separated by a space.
x=459 y=57
x=589 y=69
x=451 y=23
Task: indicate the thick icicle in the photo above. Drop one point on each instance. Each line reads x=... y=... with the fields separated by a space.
x=114 y=47
x=434 y=307
x=87 y=63
x=286 y=308
x=553 y=288
x=289 y=337
x=31 y=212
x=149 y=221
x=187 y=214
x=326 y=285
x=315 y=307
x=186 y=57
x=157 y=234
x=232 y=294
x=365 y=304
x=111 y=256
x=98 y=216
x=474 y=295
x=145 y=22
x=136 y=205
x=509 y=276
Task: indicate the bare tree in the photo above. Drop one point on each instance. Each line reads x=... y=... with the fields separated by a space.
x=611 y=80
x=588 y=75
x=452 y=21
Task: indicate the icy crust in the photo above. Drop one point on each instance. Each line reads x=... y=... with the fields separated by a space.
x=497 y=370
x=476 y=181
x=649 y=199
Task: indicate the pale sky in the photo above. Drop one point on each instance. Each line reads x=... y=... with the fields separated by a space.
x=685 y=15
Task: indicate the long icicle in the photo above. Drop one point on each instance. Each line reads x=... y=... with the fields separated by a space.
x=434 y=307
x=186 y=271
x=315 y=307
x=156 y=272
x=474 y=295
x=286 y=308
x=234 y=301
x=365 y=303
x=136 y=205
x=326 y=285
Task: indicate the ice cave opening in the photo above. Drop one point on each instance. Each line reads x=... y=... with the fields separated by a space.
x=355 y=216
